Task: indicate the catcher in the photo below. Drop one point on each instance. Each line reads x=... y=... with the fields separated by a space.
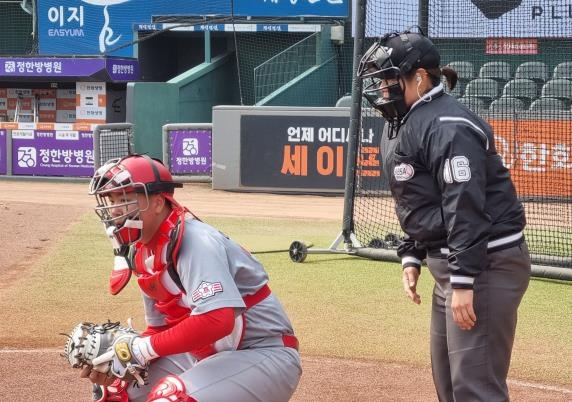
x=215 y=331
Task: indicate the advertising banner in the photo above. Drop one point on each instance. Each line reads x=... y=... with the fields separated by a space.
x=292 y=8
x=104 y=69
x=190 y=151
x=539 y=155
x=52 y=153
x=308 y=154
x=91 y=102
x=491 y=18
x=3 y=153
x=511 y=46
x=96 y=27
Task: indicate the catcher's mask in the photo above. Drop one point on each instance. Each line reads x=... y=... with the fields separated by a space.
x=384 y=66
x=125 y=178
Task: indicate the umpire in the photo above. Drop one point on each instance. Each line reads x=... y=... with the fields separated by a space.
x=458 y=207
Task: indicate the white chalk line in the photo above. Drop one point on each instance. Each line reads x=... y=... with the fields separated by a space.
x=518 y=383
x=540 y=386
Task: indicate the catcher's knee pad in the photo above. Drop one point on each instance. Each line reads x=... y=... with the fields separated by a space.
x=169 y=388
x=116 y=392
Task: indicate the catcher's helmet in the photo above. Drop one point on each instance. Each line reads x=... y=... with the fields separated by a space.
x=138 y=174
x=392 y=57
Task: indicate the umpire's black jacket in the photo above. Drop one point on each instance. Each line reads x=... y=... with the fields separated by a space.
x=453 y=195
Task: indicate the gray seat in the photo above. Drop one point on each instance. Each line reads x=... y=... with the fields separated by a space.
x=507 y=105
x=465 y=69
x=548 y=105
x=521 y=88
x=485 y=88
x=344 y=101
x=477 y=105
x=563 y=70
x=536 y=71
x=456 y=92
x=496 y=70
x=559 y=88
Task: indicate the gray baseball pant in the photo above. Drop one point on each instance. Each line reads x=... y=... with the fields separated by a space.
x=472 y=366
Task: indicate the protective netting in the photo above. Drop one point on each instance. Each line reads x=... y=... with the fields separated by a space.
x=514 y=61
x=16 y=24
x=113 y=140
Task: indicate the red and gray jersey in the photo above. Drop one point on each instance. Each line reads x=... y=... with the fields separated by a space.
x=215 y=273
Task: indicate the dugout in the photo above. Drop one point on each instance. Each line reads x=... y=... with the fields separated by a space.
x=297 y=64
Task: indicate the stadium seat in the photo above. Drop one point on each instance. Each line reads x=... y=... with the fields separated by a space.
x=536 y=71
x=548 y=105
x=521 y=88
x=477 y=105
x=507 y=105
x=496 y=70
x=563 y=70
x=344 y=101
x=484 y=88
x=458 y=91
x=559 y=88
x=465 y=69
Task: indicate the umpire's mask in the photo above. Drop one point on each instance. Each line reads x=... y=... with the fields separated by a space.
x=383 y=67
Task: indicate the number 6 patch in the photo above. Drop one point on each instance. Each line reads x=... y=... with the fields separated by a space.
x=456 y=169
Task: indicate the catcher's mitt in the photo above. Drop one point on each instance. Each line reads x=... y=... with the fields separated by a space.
x=88 y=342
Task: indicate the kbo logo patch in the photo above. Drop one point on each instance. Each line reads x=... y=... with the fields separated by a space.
x=206 y=290
x=403 y=172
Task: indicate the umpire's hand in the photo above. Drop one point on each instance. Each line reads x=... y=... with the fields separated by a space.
x=462 y=308
x=410 y=277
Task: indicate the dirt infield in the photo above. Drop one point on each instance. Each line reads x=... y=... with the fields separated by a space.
x=40 y=212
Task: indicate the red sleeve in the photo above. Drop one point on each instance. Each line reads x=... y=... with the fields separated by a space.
x=153 y=330
x=194 y=332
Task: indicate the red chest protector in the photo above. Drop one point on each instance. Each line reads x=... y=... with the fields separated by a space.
x=155 y=266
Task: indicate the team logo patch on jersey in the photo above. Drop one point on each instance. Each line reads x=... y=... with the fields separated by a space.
x=206 y=290
x=403 y=172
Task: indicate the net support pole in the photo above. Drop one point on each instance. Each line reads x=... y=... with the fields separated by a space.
x=355 y=124
x=298 y=250
x=423 y=17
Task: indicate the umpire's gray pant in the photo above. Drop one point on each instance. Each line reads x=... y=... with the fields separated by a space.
x=472 y=366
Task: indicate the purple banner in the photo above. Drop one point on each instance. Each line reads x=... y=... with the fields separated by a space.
x=3 y=153
x=122 y=69
x=190 y=151
x=111 y=69
x=52 y=153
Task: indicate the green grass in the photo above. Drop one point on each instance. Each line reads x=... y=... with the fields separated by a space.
x=341 y=306
x=550 y=242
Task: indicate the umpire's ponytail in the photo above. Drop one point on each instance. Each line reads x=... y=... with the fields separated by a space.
x=450 y=76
